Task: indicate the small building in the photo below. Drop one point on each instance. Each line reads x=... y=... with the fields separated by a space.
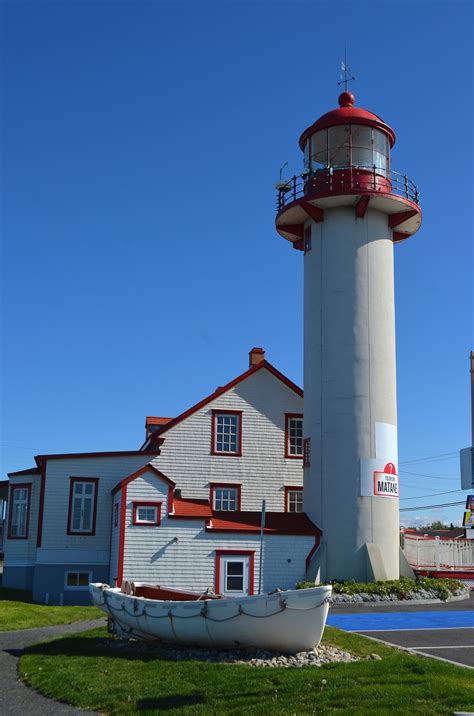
x=184 y=510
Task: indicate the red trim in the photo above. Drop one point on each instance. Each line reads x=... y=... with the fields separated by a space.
x=39 y=533
x=311 y=552
x=294 y=229
x=291 y=488
x=170 y=499
x=396 y=219
x=235 y=485
x=361 y=206
x=121 y=550
x=238 y=553
x=288 y=417
x=299 y=244
x=118 y=453
x=22 y=486
x=220 y=391
x=70 y=531
x=215 y=413
x=135 y=520
x=314 y=212
x=400 y=236
x=30 y=471
x=138 y=473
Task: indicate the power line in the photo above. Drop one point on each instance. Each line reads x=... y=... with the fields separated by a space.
x=434 y=494
x=431 y=458
x=426 y=474
x=431 y=507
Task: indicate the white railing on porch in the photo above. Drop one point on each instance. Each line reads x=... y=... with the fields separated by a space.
x=437 y=553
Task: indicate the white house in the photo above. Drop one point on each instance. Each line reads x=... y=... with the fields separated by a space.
x=183 y=511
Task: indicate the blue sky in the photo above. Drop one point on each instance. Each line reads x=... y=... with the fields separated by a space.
x=140 y=263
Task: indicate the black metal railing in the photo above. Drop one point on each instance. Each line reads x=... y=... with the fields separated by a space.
x=340 y=179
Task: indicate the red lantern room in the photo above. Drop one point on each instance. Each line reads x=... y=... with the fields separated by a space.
x=347 y=163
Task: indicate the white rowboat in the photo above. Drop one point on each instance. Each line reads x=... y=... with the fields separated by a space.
x=289 y=621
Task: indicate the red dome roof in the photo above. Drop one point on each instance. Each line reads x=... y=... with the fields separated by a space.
x=346 y=113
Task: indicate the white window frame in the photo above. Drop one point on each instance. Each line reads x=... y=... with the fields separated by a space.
x=295 y=496
x=77 y=588
x=219 y=429
x=225 y=498
x=93 y=499
x=245 y=561
x=289 y=448
x=15 y=504
x=140 y=521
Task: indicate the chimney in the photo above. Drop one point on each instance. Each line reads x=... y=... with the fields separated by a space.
x=256 y=356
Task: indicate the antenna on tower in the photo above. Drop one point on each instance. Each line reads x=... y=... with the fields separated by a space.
x=346 y=74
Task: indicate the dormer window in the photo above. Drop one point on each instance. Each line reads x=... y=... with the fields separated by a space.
x=226 y=432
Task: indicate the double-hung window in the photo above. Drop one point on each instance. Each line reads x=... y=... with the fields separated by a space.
x=226 y=432
x=293 y=499
x=20 y=496
x=225 y=498
x=82 y=505
x=293 y=435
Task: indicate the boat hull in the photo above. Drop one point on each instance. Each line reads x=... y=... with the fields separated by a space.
x=290 y=621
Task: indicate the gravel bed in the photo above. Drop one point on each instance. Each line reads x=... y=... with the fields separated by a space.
x=422 y=594
x=323 y=654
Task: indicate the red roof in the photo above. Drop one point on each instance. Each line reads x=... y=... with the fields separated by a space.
x=283 y=523
x=253 y=369
x=191 y=509
x=347 y=114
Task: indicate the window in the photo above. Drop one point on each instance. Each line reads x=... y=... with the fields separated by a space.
x=307 y=239
x=146 y=513
x=77 y=580
x=116 y=514
x=293 y=499
x=293 y=435
x=19 y=515
x=82 y=505
x=226 y=438
x=234 y=572
x=225 y=498
x=306 y=452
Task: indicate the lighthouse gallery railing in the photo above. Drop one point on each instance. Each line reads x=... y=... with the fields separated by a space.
x=292 y=189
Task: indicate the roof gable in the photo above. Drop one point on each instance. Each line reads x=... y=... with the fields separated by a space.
x=138 y=473
x=263 y=365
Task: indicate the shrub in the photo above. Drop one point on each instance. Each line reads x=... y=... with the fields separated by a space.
x=393 y=587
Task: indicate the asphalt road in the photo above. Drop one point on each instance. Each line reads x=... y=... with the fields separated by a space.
x=441 y=631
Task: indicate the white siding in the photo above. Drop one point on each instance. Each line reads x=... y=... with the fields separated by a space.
x=109 y=470
x=153 y=554
x=24 y=550
x=263 y=470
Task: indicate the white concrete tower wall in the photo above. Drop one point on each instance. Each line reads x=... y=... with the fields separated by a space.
x=350 y=386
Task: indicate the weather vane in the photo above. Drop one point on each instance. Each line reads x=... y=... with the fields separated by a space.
x=346 y=74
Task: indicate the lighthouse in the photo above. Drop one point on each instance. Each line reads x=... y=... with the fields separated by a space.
x=345 y=213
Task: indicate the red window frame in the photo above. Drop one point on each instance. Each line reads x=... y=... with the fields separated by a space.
x=237 y=553
x=215 y=413
x=288 y=417
x=141 y=503
x=91 y=532
x=22 y=486
x=288 y=489
x=226 y=485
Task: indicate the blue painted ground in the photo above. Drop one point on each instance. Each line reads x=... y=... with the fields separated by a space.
x=402 y=620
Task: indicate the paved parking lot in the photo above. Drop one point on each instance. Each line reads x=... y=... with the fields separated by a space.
x=441 y=631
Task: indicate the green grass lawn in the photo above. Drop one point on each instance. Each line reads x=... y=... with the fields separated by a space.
x=18 y=612
x=82 y=670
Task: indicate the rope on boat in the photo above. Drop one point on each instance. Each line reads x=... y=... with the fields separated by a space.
x=203 y=612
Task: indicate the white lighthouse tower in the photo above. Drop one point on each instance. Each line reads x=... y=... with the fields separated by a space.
x=345 y=212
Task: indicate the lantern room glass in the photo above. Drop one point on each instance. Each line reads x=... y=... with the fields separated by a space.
x=348 y=145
